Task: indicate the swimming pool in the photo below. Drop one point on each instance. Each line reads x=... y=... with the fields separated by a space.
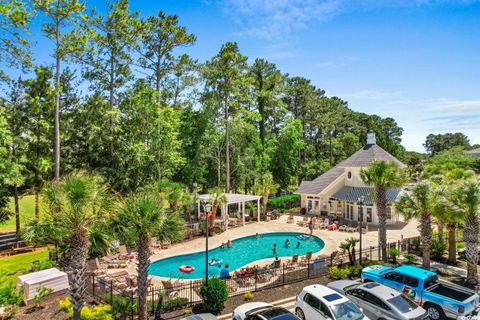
x=244 y=251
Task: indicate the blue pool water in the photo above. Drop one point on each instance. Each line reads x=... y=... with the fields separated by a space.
x=244 y=251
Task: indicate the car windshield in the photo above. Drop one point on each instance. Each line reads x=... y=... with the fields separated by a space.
x=346 y=311
x=402 y=303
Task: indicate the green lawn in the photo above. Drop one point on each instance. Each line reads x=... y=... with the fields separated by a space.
x=12 y=264
x=27 y=212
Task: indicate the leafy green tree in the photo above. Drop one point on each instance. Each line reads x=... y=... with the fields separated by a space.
x=227 y=83
x=39 y=97
x=60 y=16
x=382 y=176
x=74 y=204
x=14 y=112
x=15 y=17
x=420 y=204
x=348 y=246
x=435 y=143
x=108 y=60
x=466 y=198
x=139 y=218
x=159 y=37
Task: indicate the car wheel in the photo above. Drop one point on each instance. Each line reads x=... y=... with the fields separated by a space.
x=435 y=312
x=300 y=313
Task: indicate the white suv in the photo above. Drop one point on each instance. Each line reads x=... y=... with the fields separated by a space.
x=317 y=302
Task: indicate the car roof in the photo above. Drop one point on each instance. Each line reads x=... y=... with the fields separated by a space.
x=325 y=294
x=415 y=272
x=201 y=316
x=276 y=313
x=380 y=290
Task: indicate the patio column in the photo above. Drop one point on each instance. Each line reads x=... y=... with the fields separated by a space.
x=258 y=209
x=225 y=216
x=198 y=210
x=243 y=212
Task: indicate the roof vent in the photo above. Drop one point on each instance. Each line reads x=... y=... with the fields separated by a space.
x=371 y=138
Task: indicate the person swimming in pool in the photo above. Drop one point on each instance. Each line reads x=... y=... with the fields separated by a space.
x=298 y=245
x=274 y=248
x=222 y=246
x=287 y=243
x=257 y=235
x=229 y=244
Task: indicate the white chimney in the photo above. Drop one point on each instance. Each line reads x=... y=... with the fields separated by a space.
x=371 y=138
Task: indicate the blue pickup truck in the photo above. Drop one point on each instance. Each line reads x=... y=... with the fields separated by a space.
x=442 y=300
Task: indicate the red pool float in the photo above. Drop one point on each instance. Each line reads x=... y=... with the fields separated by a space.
x=186 y=269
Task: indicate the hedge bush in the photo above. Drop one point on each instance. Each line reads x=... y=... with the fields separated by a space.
x=214 y=295
x=284 y=202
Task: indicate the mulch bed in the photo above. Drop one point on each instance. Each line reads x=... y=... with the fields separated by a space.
x=50 y=310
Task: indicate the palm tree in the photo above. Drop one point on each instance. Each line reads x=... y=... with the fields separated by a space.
x=264 y=188
x=74 y=204
x=447 y=214
x=420 y=204
x=139 y=218
x=174 y=193
x=466 y=198
x=349 y=247
x=382 y=176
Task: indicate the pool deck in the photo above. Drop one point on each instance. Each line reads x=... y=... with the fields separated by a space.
x=332 y=239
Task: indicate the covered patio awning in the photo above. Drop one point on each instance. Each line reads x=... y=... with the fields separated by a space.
x=352 y=194
x=232 y=198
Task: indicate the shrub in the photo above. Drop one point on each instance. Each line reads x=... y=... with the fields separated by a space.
x=460 y=245
x=284 y=202
x=337 y=273
x=214 y=295
x=410 y=257
x=99 y=312
x=175 y=303
x=355 y=270
x=438 y=249
x=393 y=254
x=9 y=296
x=121 y=306
x=248 y=296
x=42 y=292
x=42 y=265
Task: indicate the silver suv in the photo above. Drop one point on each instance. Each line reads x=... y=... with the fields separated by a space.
x=378 y=301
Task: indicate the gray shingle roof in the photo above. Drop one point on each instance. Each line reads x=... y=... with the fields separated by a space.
x=362 y=158
x=474 y=151
x=353 y=193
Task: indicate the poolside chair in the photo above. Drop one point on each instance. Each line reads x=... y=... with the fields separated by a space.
x=169 y=288
x=303 y=222
x=277 y=264
x=122 y=250
x=293 y=261
x=306 y=259
x=352 y=229
x=343 y=227
x=165 y=244
x=290 y=219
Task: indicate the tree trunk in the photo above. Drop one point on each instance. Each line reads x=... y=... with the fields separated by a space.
x=452 y=243
x=265 y=205
x=17 y=210
x=227 y=148
x=78 y=246
x=426 y=238
x=471 y=251
x=381 y=197
x=142 y=270
x=111 y=101
x=37 y=202
x=440 y=232
x=57 y=107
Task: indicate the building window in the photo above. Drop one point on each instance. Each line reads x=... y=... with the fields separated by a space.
x=369 y=214
x=349 y=174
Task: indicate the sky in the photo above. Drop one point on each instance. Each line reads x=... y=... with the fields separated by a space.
x=417 y=61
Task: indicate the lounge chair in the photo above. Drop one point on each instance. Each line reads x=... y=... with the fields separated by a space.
x=307 y=258
x=293 y=261
x=277 y=263
x=169 y=289
x=122 y=250
x=343 y=227
x=303 y=222
x=322 y=226
x=290 y=219
x=165 y=244
x=352 y=229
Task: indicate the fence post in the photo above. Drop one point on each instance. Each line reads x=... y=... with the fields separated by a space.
x=111 y=292
x=93 y=284
x=283 y=275
x=308 y=269
x=132 y=312
x=256 y=277
x=191 y=295
x=371 y=253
